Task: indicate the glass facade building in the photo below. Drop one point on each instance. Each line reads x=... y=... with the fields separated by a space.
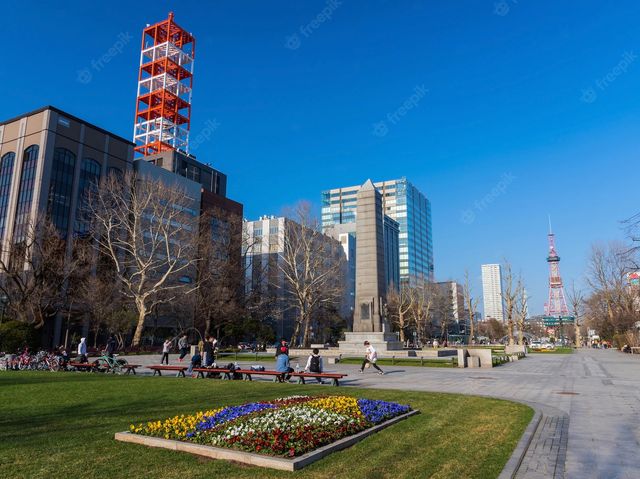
x=402 y=202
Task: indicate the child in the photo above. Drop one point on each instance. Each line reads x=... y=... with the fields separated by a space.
x=166 y=348
x=371 y=358
x=314 y=364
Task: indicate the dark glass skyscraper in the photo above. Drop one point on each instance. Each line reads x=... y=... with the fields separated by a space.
x=402 y=202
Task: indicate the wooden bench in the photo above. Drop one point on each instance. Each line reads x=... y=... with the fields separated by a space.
x=226 y=373
x=83 y=366
x=335 y=377
x=157 y=369
x=130 y=368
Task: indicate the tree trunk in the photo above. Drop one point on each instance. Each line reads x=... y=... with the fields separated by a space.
x=510 y=331
x=306 y=339
x=294 y=336
x=578 y=342
x=520 y=333
x=207 y=327
x=142 y=314
x=472 y=331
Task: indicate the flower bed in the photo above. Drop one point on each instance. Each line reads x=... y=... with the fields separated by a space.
x=287 y=427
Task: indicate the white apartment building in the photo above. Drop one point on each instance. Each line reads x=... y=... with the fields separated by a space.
x=492 y=292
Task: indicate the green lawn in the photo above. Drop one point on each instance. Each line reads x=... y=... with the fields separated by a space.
x=61 y=425
x=448 y=362
x=562 y=350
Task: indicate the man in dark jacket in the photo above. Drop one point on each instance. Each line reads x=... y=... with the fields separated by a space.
x=111 y=345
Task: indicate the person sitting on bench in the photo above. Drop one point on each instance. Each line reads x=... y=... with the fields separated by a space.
x=314 y=364
x=282 y=365
x=196 y=362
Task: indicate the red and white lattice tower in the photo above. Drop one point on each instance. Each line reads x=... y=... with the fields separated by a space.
x=556 y=307
x=165 y=80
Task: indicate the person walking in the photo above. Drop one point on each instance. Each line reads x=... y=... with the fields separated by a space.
x=111 y=345
x=314 y=364
x=370 y=358
x=183 y=345
x=166 y=349
x=82 y=350
x=207 y=349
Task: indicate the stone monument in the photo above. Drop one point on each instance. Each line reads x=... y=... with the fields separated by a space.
x=369 y=323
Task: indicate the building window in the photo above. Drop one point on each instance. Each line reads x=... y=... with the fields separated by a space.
x=61 y=188
x=6 y=170
x=25 y=193
x=89 y=179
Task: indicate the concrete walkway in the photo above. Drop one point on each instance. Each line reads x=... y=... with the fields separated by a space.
x=589 y=402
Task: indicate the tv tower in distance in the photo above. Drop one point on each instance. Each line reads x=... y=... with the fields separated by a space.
x=556 y=310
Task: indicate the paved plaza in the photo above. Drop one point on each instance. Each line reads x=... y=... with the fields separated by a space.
x=589 y=403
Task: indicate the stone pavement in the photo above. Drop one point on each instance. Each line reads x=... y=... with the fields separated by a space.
x=589 y=403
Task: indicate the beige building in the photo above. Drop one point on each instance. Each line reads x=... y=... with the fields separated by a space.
x=48 y=159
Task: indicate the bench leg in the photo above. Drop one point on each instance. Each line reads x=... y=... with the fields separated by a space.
x=133 y=371
x=301 y=380
x=157 y=371
x=334 y=382
x=181 y=374
x=247 y=377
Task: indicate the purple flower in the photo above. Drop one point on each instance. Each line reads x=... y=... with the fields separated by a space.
x=229 y=414
x=377 y=411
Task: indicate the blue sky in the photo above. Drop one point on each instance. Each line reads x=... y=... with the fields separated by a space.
x=500 y=112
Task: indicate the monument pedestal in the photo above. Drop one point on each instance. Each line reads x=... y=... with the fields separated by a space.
x=382 y=342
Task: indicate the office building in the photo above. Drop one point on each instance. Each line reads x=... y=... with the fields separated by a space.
x=492 y=292
x=401 y=202
x=48 y=160
x=459 y=314
x=265 y=241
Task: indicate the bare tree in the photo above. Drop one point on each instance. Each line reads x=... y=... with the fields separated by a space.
x=148 y=229
x=423 y=299
x=221 y=270
x=34 y=271
x=613 y=305
x=472 y=304
x=521 y=310
x=511 y=292
x=313 y=267
x=576 y=302
x=399 y=304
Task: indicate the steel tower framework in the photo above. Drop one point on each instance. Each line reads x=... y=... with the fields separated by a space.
x=165 y=81
x=556 y=310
